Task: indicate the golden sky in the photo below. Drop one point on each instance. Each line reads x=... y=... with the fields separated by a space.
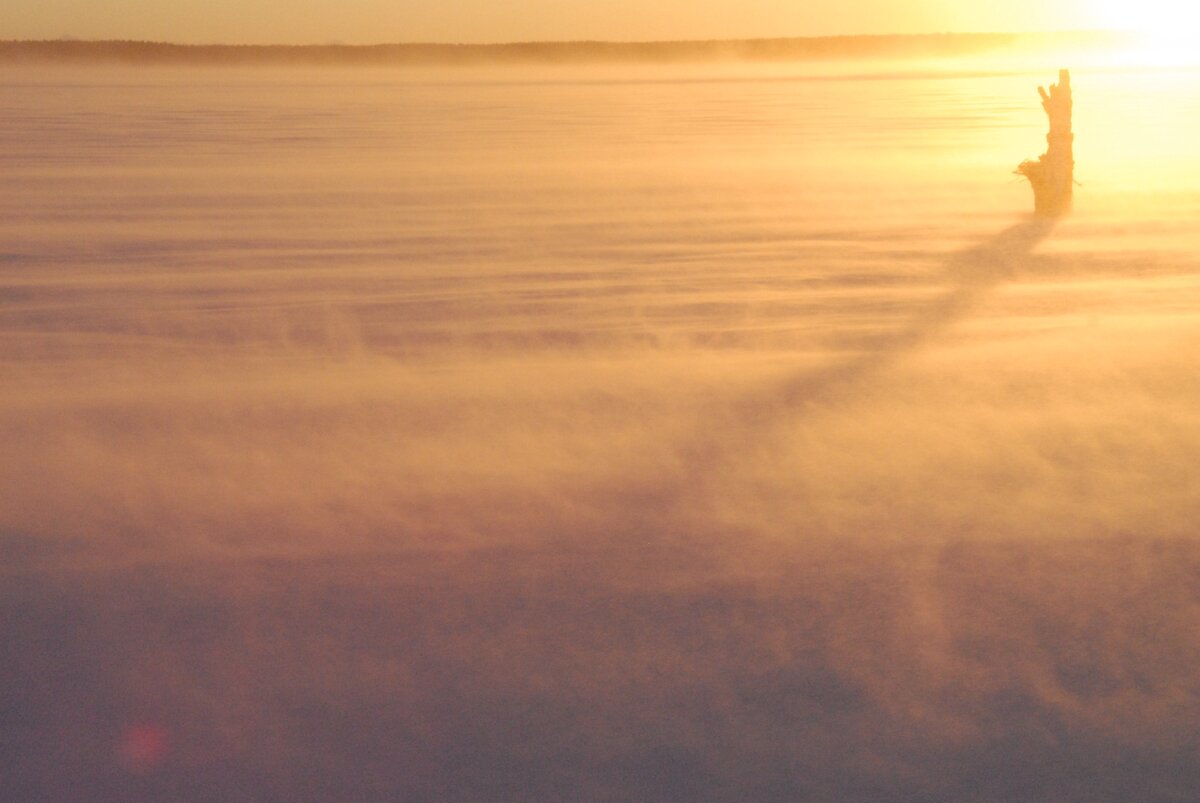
x=371 y=21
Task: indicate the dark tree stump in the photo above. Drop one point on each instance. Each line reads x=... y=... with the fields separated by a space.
x=1052 y=176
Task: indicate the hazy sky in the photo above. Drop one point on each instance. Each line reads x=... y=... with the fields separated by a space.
x=365 y=21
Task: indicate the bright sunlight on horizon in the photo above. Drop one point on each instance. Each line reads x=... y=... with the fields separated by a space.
x=1165 y=30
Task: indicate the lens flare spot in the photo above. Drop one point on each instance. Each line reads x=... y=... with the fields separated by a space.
x=143 y=747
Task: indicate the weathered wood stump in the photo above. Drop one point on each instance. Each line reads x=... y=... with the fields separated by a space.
x=1052 y=176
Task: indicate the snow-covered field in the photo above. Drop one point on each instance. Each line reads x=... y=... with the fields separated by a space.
x=596 y=434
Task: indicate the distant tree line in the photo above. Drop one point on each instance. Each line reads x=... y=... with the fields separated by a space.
x=749 y=50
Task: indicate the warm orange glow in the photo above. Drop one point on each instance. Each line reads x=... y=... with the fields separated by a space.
x=374 y=21
x=573 y=422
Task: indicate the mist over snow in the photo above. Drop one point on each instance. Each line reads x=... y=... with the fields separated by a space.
x=595 y=434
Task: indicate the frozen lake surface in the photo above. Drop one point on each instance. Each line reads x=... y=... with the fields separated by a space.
x=596 y=434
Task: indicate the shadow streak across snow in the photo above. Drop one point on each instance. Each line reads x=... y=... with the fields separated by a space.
x=973 y=272
x=726 y=427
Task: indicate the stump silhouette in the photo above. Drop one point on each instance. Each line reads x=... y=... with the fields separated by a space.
x=1052 y=176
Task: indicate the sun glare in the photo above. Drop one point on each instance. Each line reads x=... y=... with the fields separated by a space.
x=1164 y=29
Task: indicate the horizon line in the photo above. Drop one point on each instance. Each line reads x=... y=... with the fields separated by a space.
x=73 y=40
x=842 y=48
